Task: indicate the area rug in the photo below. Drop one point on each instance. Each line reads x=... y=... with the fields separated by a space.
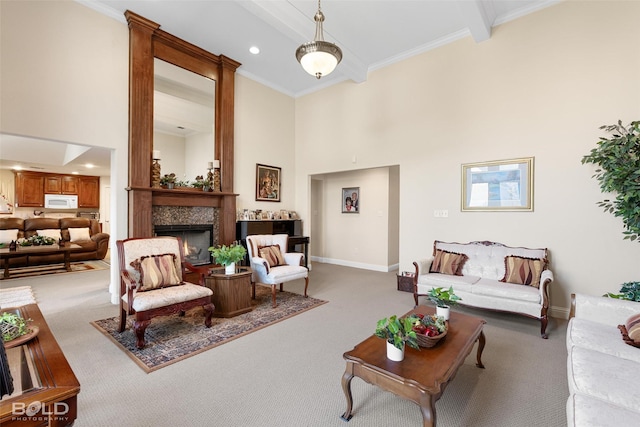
x=16 y=297
x=40 y=270
x=170 y=339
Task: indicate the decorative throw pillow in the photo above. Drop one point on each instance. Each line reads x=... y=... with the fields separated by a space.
x=523 y=271
x=79 y=234
x=7 y=236
x=448 y=263
x=631 y=331
x=157 y=271
x=54 y=233
x=272 y=254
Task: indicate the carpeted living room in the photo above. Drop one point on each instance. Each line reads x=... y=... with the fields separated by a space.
x=477 y=137
x=289 y=373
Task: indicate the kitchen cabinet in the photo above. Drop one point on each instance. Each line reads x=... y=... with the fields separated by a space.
x=61 y=184
x=89 y=192
x=29 y=189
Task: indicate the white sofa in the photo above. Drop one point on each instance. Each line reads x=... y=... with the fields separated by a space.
x=602 y=370
x=479 y=281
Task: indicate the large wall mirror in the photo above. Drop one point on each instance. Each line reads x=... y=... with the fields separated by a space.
x=183 y=120
x=191 y=84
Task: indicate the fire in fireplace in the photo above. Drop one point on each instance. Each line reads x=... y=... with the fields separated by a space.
x=196 y=240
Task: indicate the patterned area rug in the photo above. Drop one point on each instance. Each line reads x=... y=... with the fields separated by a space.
x=173 y=338
x=39 y=270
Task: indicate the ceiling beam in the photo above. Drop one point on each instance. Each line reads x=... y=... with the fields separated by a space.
x=479 y=17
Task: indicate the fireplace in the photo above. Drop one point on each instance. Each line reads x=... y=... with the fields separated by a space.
x=196 y=240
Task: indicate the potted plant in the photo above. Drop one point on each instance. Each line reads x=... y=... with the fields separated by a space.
x=168 y=180
x=202 y=183
x=629 y=291
x=443 y=299
x=618 y=162
x=397 y=332
x=228 y=256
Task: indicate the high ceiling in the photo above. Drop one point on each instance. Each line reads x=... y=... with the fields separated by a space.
x=371 y=34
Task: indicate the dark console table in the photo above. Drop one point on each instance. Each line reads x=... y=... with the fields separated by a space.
x=292 y=227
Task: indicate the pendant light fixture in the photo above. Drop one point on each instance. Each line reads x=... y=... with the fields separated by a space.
x=319 y=57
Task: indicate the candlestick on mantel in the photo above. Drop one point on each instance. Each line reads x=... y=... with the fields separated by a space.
x=156 y=154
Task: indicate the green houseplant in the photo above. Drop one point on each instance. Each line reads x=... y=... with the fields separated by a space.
x=168 y=180
x=442 y=297
x=397 y=331
x=12 y=326
x=228 y=255
x=629 y=291
x=618 y=172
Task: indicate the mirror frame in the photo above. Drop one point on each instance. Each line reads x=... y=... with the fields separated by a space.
x=146 y=42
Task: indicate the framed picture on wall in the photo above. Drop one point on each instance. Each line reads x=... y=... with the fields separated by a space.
x=350 y=200
x=267 y=183
x=501 y=185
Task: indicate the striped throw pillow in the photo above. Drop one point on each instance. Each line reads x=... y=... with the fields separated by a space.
x=523 y=271
x=157 y=271
x=272 y=254
x=448 y=263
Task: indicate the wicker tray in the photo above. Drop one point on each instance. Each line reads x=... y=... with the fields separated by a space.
x=428 y=342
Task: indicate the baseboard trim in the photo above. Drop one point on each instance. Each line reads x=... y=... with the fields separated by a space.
x=373 y=267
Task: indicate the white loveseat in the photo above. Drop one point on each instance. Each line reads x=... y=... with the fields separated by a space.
x=602 y=370
x=478 y=278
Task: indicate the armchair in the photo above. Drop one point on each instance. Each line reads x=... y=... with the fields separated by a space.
x=271 y=264
x=151 y=282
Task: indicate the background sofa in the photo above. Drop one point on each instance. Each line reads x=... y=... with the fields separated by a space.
x=93 y=249
x=489 y=275
x=603 y=371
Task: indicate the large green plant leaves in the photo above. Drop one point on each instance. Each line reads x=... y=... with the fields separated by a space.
x=618 y=172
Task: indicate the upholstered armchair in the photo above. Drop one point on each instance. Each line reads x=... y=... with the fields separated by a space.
x=272 y=265
x=152 y=272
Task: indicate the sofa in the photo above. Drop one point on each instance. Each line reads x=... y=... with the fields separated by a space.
x=84 y=232
x=602 y=370
x=489 y=275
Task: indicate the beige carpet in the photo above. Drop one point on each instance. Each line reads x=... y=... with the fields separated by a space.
x=289 y=374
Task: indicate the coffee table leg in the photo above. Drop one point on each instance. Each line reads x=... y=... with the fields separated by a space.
x=6 y=268
x=428 y=409
x=346 y=387
x=67 y=261
x=481 y=342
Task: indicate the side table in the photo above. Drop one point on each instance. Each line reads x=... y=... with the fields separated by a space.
x=405 y=281
x=231 y=292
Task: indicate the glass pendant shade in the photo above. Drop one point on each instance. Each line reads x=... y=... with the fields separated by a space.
x=319 y=57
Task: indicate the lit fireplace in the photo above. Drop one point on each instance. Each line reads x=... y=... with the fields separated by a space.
x=196 y=240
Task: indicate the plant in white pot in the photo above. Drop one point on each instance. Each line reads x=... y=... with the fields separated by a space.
x=228 y=256
x=443 y=299
x=397 y=332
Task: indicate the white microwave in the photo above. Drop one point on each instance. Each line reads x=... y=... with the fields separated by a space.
x=60 y=201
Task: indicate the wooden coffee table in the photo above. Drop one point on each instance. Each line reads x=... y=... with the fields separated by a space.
x=423 y=374
x=66 y=249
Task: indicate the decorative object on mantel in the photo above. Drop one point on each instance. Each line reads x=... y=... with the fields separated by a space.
x=397 y=332
x=201 y=183
x=168 y=180
x=267 y=183
x=228 y=256
x=215 y=178
x=319 y=58
x=155 y=169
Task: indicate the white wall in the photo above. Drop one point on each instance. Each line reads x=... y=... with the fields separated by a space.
x=64 y=74
x=541 y=86
x=172 y=154
x=360 y=239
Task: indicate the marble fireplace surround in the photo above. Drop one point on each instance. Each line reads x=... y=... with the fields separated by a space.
x=188 y=215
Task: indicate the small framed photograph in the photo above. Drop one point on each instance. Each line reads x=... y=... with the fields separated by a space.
x=350 y=200
x=502 y=185
x=267 y=183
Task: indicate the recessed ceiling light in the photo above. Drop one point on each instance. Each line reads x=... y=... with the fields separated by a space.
x=89 y=166
x=74 y=173
x=254 y=49
x=17 y=167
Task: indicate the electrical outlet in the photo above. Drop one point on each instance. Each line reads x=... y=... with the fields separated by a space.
x=444 y=213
